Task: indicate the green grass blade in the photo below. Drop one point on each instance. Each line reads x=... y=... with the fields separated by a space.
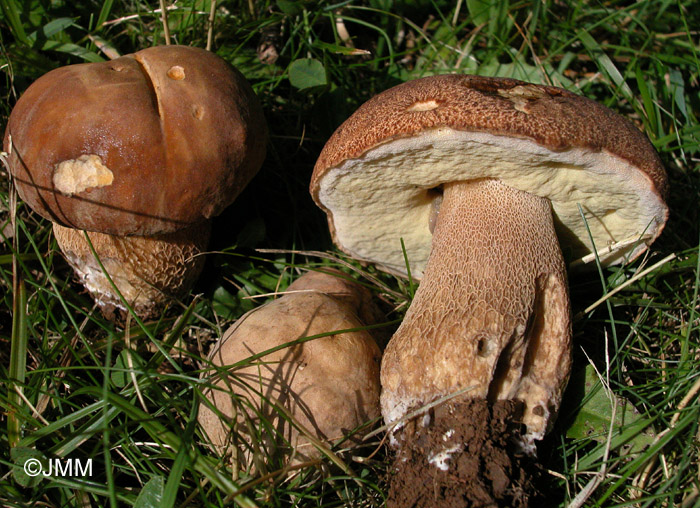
x=172 y=442
x=172 y=338
x=407 y=264
x=151 y=495
x=18 y=363
x=181 y=460
x=650 y=115
x=104 y=13
x=605 y=63
x=51 y=28
x=12 y=14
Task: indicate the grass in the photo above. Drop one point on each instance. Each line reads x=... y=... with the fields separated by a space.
x=70 y=389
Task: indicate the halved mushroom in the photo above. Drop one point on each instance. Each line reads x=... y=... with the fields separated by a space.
x=141 y=152
x=328 y=386
x=485 y=180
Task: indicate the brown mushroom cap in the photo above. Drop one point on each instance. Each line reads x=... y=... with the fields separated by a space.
x=145 y=144
x=376 y=177
x=329 y=385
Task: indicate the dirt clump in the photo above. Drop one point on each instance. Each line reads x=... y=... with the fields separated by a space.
x=463 y=454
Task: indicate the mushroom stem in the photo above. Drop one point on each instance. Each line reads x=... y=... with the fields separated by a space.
x=147 y=270
x=492 y=311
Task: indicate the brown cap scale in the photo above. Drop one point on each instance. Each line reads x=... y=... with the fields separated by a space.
x=329 y=385
x=483 y=179
x=148 y=144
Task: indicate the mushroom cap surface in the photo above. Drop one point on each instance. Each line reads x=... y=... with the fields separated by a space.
x=330 y=385
x=145 y=144
x=380 y=173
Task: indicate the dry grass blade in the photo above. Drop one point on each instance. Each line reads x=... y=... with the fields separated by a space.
x=210 y=29
x=630 y=281
x=131 y=17
x=417 y=412
x=590 y=258
x=164 y=21
x=685 y=401
x=643 y=478
x=109 y=51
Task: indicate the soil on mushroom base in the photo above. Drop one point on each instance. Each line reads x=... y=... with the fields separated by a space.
x=486 y=471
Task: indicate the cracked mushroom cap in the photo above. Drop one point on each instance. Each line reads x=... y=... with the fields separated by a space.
x=379 y=176
x=145 y=144
x=329 y=385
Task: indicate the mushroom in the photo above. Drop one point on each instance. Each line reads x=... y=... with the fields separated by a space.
x=484 y=180
x=329 y=386
x=141 y=152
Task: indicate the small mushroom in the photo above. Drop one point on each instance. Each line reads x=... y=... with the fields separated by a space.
x=141 y=152
x=329 y=385
x=485 y=180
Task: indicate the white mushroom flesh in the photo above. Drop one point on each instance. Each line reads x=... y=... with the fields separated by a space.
x=375 y=202
x=74 y=176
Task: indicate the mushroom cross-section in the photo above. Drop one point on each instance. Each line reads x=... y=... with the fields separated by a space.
x=484 y=180
x=153 y=145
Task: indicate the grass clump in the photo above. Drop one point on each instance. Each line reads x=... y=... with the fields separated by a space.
x=125 y=395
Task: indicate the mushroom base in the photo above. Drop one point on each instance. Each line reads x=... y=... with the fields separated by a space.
x=464 y=454
x=147 y=271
